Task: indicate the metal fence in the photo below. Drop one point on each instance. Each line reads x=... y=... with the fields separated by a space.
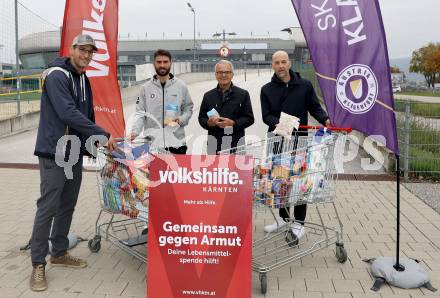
x=418 y=126
x=20 y=88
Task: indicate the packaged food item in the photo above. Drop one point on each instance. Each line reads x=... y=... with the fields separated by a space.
x=171 y=113
x=276 y=185
x=262 y=187
x=269 y=200
x=276 y=160
x=259 y=197
x=261 y=172
x=280 y=172
x=213 y=113
x=286 y=125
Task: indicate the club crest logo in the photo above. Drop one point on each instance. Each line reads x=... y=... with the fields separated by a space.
x=356 y=88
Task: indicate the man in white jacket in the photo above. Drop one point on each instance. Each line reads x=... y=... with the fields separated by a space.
x=163 y=108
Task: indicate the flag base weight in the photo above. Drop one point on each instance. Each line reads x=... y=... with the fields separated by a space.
x=402 y=273
x=408 y=274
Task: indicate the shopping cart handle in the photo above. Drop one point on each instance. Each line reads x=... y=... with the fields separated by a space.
x=345 y=129
x=139 y=139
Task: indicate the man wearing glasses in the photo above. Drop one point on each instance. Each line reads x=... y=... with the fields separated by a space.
x=226 y=111
x=66 y=110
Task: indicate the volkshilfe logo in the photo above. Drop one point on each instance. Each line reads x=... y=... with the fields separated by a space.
x=205 y=176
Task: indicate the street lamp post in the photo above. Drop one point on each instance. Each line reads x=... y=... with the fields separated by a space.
x=1 y=51
x=194 y=14
x=1 y=64
x=245 y=61
x=17 y=61
x=224 y=33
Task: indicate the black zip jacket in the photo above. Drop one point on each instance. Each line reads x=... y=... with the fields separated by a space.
x=295 y=98
x=236 y=106
x=66 y=109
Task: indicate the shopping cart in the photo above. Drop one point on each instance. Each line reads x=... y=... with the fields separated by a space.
x=123 y=195
x=289 y=172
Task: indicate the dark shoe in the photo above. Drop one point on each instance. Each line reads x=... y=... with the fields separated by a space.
x=68 y=261
x=38 y=280
x=291 y=239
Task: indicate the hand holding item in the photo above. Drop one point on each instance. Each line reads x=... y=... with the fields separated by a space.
x=328 y=123
x=212 y=121
x=286 y=125
x=174 y=122
x=132 y=135
x=225 y=122
x=111 y=144
x=213 y=117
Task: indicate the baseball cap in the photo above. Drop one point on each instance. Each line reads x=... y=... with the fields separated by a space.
x=84 y=39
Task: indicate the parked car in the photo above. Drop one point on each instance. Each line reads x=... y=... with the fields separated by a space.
x=397 y=88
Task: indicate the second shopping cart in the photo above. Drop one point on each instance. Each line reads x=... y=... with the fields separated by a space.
x=293 y=171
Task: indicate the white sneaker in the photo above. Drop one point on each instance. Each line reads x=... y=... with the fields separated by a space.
x=278 y=224
x=298 y=230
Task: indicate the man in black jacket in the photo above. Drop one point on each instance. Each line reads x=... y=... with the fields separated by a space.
x=225 y=111
x=66 y=110
x=289 y=93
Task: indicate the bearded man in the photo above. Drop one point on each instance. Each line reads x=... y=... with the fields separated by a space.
x=163 y=108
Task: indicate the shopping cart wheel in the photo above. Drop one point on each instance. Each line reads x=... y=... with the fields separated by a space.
x=95 y=244
x=263 y=281
x=341 y=253
x=291 y=239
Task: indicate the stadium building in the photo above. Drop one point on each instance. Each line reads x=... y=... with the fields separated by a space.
x=38 y=49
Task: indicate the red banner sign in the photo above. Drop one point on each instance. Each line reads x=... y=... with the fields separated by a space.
x=200 y=227
x=98 y=19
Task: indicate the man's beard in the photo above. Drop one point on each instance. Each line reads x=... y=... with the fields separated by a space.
x=162 y=71
x=282 y=74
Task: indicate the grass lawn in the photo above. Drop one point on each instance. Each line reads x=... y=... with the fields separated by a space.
x=424 y=149
x=25 y=96
x=419 y=108
x=420 y=93
x=424 y=163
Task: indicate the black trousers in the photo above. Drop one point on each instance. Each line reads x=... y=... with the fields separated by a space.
x=58 y=200
x=299 y=213
x=178 y=150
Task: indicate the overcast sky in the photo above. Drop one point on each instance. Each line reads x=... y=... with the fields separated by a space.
x=409 y=24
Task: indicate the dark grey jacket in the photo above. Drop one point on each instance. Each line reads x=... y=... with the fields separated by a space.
x=66 y=108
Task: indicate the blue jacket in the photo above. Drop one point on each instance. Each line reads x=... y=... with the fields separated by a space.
x=66 y=108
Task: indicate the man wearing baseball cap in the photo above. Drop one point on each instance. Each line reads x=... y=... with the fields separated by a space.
x=66 y=110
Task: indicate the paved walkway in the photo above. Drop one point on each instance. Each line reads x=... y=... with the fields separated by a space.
x=367 y=210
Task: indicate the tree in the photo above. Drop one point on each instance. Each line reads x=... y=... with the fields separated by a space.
x=426 y=61
x=395 y=69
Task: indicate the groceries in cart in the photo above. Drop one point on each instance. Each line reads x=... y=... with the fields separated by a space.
x=299 y=175
x=125 y=180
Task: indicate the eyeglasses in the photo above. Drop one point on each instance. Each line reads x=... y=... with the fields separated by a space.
x=86 y=52
x=223 y=73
